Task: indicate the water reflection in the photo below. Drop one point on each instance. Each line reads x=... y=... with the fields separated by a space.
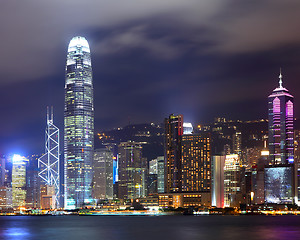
x=152 y=228
x=16 y=233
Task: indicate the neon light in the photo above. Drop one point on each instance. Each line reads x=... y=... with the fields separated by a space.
x=289 y=109
x=276 y=105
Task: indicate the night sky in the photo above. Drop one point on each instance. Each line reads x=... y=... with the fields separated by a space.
x=202 y=59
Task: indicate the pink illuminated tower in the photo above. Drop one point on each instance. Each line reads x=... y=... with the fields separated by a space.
x=281 y=125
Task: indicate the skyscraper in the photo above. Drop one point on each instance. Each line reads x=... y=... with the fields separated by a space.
x=132 y=171
x=49 y=163
x=232 y=181
x=217 y=181
x=78 y=125
x=280 y=178
x=196 y=163
x=281 y=125
x=160 y=174
x=173 y=133
x=103 y=174
x=19 y=181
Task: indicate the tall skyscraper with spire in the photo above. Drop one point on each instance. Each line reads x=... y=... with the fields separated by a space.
x=281 y=125
x=78 y=125
x=48 y=163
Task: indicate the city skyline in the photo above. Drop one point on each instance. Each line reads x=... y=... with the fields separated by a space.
x=163 y=69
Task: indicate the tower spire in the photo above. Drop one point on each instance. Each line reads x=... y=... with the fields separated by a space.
x=280 y=79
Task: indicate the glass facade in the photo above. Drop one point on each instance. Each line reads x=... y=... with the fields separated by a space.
x=78 y=125
x=19 y=181
x=279 y=185
x=103 y=174
x=132 y=171
x=281 y=125
x=173 y=134
x=160 y=174
x=232 y=181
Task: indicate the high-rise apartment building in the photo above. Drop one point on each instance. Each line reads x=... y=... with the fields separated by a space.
x=281 y=125
x=78 y=125
x=173 y=134
x=18 y=181
x=196 y=163
x=132 y=171
x=103 y=174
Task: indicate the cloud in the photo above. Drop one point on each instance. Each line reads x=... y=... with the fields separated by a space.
x=138 y=37
x=35 y=34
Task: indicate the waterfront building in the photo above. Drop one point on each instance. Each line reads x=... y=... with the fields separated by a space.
x=49 y=163
x=184 y=200
x=173 y=134
x=279 y=184
x=32 y=183
x=281 y=125
x=283 y=189
x=103 y=174
x=19 y=181
x=195 y=163
x=232 y=181
x=160 y=174
x=5 y=198
x=78 y=125
x=132 y=171
x=48 y=199
x=217 y=183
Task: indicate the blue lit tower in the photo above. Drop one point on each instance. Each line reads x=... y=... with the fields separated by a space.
x=281 y=125
x=78 y=125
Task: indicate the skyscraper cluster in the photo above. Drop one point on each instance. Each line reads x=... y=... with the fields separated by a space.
x=174 y=165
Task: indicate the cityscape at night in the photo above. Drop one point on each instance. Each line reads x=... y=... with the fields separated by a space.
x=132 y=120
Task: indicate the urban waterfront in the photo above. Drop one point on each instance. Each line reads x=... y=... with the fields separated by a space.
x=158 y=228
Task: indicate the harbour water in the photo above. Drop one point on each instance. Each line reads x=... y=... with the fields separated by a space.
x=150 y=227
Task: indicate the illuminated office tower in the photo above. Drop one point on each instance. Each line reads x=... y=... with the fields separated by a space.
x=78 y=125
x=281 y=125
x=132 y=171
x=196 y=163
x=33 y=183
x=217 y=182
x=18 y=181
x=49 y=163
x=279 y=184
x=103 y=174
x=232 y=181
x=160 y=174
x=173 y=134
